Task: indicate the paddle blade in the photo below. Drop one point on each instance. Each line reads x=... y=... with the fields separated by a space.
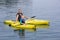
x=33 y=17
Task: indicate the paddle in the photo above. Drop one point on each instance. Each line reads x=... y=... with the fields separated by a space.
x=33 y=16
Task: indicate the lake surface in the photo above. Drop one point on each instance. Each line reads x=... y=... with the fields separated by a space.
x=42 y=9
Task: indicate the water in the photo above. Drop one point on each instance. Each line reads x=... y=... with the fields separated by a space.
x=42 y=9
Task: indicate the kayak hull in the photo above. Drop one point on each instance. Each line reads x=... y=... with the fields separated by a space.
x=37 y=22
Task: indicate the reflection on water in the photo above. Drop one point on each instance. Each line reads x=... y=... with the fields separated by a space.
x=21 y=33
x=31 y=30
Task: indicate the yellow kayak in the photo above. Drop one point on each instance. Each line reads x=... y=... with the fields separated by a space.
x=16 y=25
x=37 y=22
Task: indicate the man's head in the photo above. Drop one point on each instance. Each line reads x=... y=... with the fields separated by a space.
x=19 y=11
